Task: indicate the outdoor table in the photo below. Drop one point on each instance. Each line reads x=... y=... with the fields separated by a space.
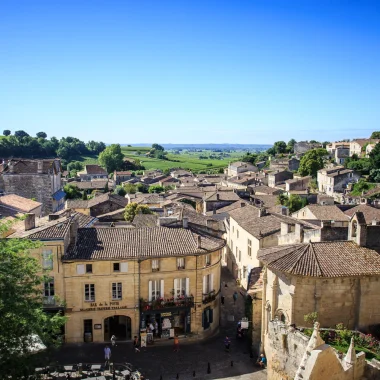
x=96 y=367
x=125 y=372
x=68 y=368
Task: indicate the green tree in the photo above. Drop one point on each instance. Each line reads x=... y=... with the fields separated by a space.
x=21 y=307
x=280 y=147
x=84 y=195
x=156 y=189
x=119 y=190
x=106 y=188
x=133 y=208
x=158 y=147
x=290 y=146
x=292 y=202
x=72 y=192
x=21 y=134
x=130 y=188
x=141 y=188
x=41 y=135
x=111 y=158
x=375 y=135
x=6 y=132
x=374 y=157
x=374 y=176
x=312 y=161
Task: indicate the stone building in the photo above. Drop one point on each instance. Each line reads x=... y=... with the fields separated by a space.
x=304 y=146
x=121 y=176
x=357 y=146
x=35 y=179
x=92 y=172
x=116 y=281
x=279 y=178
x=218 y=199
x=236 y=168
x=12 y=205
x=302 y=183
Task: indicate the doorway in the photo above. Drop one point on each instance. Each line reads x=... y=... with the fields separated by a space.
x=118 y=325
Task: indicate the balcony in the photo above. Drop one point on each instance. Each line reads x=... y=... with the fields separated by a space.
x=166 y=303
x=49 y=301
x=209 y=297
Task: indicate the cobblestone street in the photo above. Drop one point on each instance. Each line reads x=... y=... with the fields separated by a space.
x=159 y=359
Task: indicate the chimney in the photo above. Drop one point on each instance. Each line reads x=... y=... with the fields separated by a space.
x=39 y=167
x=262 y=212
x=30 y=221
x=242 y=204
x=284 y=210
x=74 y=231
x=299 y=233
x=199 y=242
x=185 y=222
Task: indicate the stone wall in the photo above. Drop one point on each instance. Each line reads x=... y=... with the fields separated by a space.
x=104 y=208
x=38 y=186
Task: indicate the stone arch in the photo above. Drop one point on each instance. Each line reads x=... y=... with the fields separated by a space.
x=119 y=325
x=282 y=315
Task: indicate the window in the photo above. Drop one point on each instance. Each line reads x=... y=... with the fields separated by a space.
x=244 y=272
x=47 y=259
x=88 y=268
x=117 y=291
x=181 y=263
x=49 y=291
x=233 y=229
x=181 y=287
x=89 y=292
x=155 y=265
x=208 y=283
x=208 y=260
x=236 y=252
x=239 y=255
x=80 y=268
x=156 y=289
x=237 y=234
x=249 y=247
x=116 y=267
x=123 y=267
x=87 y=325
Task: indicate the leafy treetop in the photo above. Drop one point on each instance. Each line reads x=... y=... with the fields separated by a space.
x=312 y=161
x=132 y=209
x=111 y=158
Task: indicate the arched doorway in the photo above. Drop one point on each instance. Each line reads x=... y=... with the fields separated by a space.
x=118 y=325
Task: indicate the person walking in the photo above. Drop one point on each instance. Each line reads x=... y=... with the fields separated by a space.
x=227 y=343
x=136 y=344
x=235 y=296
x=107 y=355
x=176 y=344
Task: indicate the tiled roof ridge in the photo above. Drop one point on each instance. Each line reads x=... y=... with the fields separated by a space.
x=304 y=251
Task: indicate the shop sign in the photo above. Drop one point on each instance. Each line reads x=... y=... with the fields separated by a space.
x=168 y=314
x=98 y=326
x=94 y=306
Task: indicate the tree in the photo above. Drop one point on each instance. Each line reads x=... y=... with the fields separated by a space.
x=141 y=188
x=132 y=209
x=6 y=132
x=375 y=135
x=21 y=307
x=119 y=190
x=292 y=202
x=130 y=188
x=84 y=195
x=20 y=134
x=111 y=158
x=156 y=189
x=290 y=146
x=374 y=176
x=41 y=135
x=280 y=147
x=312 y=161
x=158 y=147
x=374 y=157
x=72 y=192
x=106 y=188
x=75 y=165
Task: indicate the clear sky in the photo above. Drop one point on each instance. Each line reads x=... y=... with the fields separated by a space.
x=178 y=71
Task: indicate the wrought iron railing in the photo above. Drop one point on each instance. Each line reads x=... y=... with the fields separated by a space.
x=166 y=303
x=209 y=297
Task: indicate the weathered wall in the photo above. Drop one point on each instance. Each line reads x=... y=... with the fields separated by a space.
x=104 y=208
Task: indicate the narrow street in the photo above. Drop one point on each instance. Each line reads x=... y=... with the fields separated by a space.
x=159 y=359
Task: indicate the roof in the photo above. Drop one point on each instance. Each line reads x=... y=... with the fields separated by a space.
x=238 y=164
x=94 y=169
x=120 y=243
x=19 y=203
x=362 y=142
x=145 y=220
x=86 y=185
x=223 y=196
x=266 y=190
x=226 y=209
x=107 y=197
x=369 y=213
x=322 y=259
x=124 y=173
x=327 y=212
x=267 y=200
x=28 y=166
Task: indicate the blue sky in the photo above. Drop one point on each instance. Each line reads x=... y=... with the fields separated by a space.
x=252 y=71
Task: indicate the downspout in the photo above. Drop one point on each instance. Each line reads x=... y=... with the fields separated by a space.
x=263 y=311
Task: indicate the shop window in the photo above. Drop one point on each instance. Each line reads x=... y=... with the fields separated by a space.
x=156 y=289
x=181 y=287
x=155 y=265
x=117 y=291
x=208 y=259
x=88 y=268
x=116 y=267
x=89 y=292
x=249 y=247
x=181 y=263
x=47 y=259
x=49 y=291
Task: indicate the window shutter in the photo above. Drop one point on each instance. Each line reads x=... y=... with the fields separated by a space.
x=203 y=318
x=162 y=289
x=175 y=287
x=204 y=284
x=80 y=268
x=212 y=281
x=187 y=287
x=150 y=291
x=123 y=267
x=211 y=315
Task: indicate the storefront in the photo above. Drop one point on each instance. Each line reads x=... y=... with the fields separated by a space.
x=166 y=323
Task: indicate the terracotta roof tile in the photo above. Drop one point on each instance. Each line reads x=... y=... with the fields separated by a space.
x=19 y=203
x=370 y=213
x=94 y=169
x=327 y=212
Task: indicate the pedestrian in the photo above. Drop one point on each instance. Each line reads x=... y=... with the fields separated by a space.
x=222 y=299
x=107 y=355
x=151 y=328
x=136 y=344
x=227 y=343
x=176 y=344
x=235 y=297
x=262 y=361
x=156 y=327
